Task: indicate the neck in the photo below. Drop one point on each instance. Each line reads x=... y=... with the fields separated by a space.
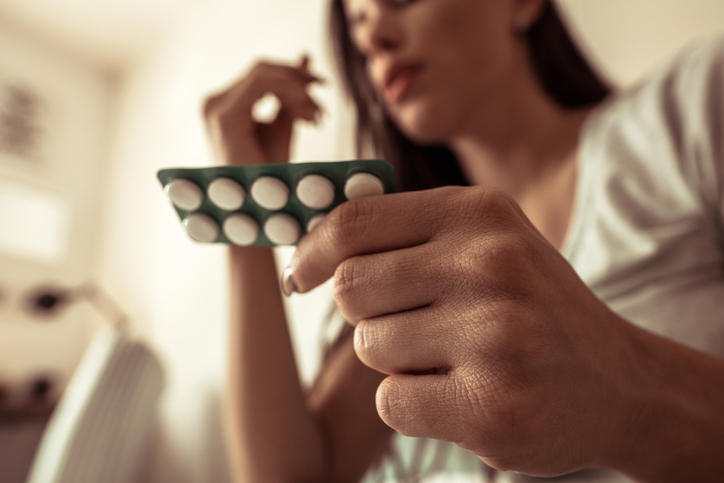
x=529 y=141
x=529 y=151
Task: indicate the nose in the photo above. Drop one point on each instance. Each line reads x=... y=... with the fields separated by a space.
x=380 y=32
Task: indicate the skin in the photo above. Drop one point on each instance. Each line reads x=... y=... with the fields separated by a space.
x=477 y=93
x=473 y=327
x=506 y=353
x=284 y=432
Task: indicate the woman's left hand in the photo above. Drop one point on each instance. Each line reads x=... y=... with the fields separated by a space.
x=489 y=338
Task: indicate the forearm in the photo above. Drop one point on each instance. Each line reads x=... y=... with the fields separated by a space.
x=680 y=433
x=273 y=435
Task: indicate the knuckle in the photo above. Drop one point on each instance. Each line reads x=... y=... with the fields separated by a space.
x=349 y=221
x=210 y=106
x=348 y=278
x=496 y=261
x=227 y=120
x=490 y=208
x=260 y=67
x=219 y=116
x=506 y=264
x=271 y=74
x=261 y=74
x=496 y=200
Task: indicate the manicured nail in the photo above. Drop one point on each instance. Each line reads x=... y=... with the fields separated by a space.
x=287 y=283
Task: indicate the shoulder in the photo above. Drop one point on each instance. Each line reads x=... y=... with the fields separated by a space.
x=678 y=96
x=668 y=127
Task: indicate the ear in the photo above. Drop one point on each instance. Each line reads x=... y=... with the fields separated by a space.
x=526 y=13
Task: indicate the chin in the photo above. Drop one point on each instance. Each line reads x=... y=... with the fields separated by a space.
x=423 y=125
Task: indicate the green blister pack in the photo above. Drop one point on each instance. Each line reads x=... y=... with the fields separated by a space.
x=268 y=204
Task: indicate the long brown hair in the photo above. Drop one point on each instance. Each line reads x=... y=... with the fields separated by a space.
x=559 y=65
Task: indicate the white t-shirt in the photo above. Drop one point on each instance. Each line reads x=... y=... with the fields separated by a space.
x=647 y=233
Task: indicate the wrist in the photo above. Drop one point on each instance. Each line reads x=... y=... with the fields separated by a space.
x=629 y=408
x=673 y=423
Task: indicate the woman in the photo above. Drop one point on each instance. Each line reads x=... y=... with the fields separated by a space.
x=470 y=326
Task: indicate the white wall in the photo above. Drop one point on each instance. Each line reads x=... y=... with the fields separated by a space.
x=175 y=289
x=49 y=215
x=627 y=38
x=63 y=175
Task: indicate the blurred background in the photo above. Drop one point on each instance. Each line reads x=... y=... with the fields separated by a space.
x=95 y=97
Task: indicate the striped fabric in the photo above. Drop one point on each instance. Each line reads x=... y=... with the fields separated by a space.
x=100 y=429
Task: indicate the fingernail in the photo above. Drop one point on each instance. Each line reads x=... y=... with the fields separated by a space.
x=287 y=283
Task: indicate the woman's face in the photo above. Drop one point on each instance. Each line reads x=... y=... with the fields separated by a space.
x=436 y=63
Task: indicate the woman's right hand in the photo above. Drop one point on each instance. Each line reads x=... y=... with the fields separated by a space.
x=236 y=137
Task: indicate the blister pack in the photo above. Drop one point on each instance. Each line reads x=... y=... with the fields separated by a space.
x=268 y=204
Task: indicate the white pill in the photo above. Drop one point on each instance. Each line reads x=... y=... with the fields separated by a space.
x=282 y=229
x=314 y=221
x=315 y=191
x=202 y=228
x=226 y=193
x=270 y=193
x=242 y=230
x=185 y=194
x=360 y=185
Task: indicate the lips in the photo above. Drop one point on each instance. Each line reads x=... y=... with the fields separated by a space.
x=398 y=79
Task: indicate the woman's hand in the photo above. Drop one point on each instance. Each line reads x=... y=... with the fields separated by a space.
x=239 y=139
x=489 y=337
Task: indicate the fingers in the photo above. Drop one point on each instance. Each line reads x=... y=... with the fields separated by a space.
x=362 y=227
x=386 y=283
x=412 y=342
x=288 y=83
x=237 y=137
x=423 y=406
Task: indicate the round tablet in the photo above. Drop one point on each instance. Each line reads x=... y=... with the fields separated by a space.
x=226 y=193
x=360 y=185
x=314 y=221
x=202 y=228
x=315 y=191
x=242 y=230
x=185 y=194
x=282 y=229
x=270 y=193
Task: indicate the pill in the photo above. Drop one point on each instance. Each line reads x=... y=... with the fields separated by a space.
x=185 y=194
x=240 y=204
x=315 y=191
x=226 y=193
x=202 y=228
x=282 y=229
x=360 y=185
x=241 y=229
x=270 y=193
x=314 y=221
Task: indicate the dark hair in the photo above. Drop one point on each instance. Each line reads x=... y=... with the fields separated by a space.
x=560 y=67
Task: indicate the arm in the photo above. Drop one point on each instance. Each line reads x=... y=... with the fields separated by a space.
x=273 y=437
x=277 y=432
x=680 y=434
